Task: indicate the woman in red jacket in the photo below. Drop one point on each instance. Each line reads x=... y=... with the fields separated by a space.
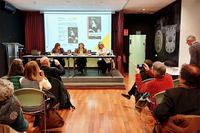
x=161 y=82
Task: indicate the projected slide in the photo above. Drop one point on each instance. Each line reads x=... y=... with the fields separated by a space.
x=94 y=28
x=73 y=28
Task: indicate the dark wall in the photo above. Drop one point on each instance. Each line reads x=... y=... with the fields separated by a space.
x=145 y=24
x=166 y=19
x=12 y=29
x=168 y=23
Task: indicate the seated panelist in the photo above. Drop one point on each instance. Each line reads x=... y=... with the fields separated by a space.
x=58 y=50
x=102 y=50
x=81 y=62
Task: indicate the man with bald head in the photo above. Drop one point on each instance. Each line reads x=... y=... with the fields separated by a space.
x=55 y=72
x=194 y=50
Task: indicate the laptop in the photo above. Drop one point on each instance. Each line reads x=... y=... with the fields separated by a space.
x=34 y=52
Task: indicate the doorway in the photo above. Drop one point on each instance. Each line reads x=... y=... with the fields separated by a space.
x=137 y=48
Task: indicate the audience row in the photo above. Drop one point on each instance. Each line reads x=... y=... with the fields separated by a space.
x=184 y=99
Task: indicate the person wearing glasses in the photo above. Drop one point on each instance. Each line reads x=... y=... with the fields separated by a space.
x=194 y=50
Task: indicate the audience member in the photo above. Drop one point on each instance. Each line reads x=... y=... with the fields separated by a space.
x=194 y=50
x=81 y=62
x=16 y=71
x=133 y=90
x=16 y=68
x=32 y=78
x=10 y=109
x=52 y=71
x=161 y=82
x=58 y=50
x=184 y=99
x=102 y=50
x=58 y=90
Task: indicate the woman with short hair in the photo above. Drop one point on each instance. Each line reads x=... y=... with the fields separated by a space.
x=184 y=99
x=81 y=62
x=161 y=82
x=10 y=109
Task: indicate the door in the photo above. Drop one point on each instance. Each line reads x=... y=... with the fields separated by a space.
x=137 y=47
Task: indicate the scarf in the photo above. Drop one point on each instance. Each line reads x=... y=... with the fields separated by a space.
x=9 y=110
x=185 y=86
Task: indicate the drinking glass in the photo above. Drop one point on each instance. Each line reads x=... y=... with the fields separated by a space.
x=111 y=52
x=39 y=52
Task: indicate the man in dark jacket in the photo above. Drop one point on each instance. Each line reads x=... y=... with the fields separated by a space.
x=194 y=50
x=55 y=72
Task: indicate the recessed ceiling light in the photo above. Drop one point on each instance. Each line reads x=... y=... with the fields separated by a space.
x=101 y=3
x=68 y=2
x=143 y=9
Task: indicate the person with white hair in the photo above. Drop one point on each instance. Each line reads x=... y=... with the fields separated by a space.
x=10 y=109
x=161 y=82
x=55 y=72
x=194 y=50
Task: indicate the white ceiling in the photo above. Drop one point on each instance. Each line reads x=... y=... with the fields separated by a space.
x=128 y=6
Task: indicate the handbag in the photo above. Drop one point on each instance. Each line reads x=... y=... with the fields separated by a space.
x=143 y=102
x=53 y=120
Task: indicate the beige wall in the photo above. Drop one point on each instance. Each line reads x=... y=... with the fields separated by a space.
x=190 y=25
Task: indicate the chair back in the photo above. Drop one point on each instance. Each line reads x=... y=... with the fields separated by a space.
x=176 y=82
x=147 y=80
x=58 y=90
x=29 y=96
x=159 y=96
x=15 y=81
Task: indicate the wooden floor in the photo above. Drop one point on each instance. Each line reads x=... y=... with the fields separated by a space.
x=101 y=111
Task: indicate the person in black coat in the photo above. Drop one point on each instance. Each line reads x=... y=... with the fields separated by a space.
x=133 y=90
x=184 y=99
x=56 y=72
x=52 y=71
x=58 y=50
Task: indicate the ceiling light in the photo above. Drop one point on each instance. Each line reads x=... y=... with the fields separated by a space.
x=68 y=2
x=101 y=3
x=34 y=2
x=143 y=9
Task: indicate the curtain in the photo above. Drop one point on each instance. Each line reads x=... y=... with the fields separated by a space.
x=34 y=32
x=117 y=41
